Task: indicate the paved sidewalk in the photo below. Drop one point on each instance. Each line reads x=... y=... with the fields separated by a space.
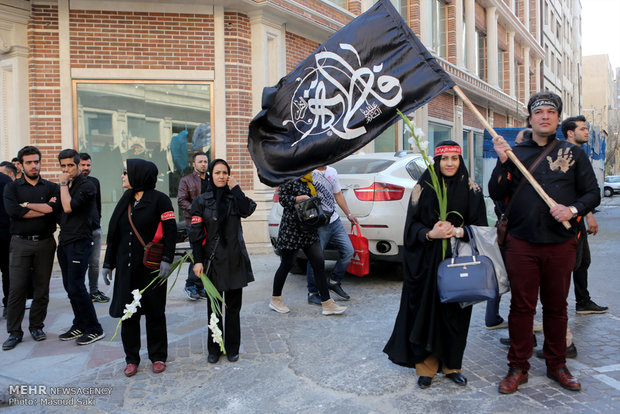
x=303 y=362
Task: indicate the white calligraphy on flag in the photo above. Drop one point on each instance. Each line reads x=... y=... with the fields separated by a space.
x=315 y=113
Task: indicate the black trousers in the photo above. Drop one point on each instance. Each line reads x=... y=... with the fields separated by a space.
x=231 y=324
x=314 y=253
x=5 y=243
x=580 y=272
x=28 y=257
x=73 y=260
x=153 y=307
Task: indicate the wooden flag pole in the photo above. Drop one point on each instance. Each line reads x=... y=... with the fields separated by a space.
x=550 y=202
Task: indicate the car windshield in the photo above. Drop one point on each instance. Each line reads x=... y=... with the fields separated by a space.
x=361 y=166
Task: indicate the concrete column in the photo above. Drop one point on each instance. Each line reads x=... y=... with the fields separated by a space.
x=526 y=72
x=219 y=89
x=513 y=88
x=537 y=64
x=14 y=90
x=470 y=33
x=460 y=41
x=64 y=67
x=492 y=46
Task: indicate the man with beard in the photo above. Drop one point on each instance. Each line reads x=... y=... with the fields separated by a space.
x=190 y=187
x=539 y=251
x=31 y=203
x=93 y=262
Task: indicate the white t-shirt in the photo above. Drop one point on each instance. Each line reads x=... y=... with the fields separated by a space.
x=329 y=180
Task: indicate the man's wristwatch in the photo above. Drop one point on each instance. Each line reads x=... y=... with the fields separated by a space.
x=25 y=204
x=64 y=183
x=573 y=210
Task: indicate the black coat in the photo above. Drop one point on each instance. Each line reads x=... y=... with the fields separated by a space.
x=124 y=251
x=231 y=267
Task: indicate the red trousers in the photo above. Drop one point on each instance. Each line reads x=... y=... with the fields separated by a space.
x=532 y=266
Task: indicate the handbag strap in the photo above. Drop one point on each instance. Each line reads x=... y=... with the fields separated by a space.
x=531 y=170
x=472 y=244
x=159 y=234
x=134 y=227
x=356 y=226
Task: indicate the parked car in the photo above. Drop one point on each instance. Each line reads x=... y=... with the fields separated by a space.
x=611 y=185
x=377 y=188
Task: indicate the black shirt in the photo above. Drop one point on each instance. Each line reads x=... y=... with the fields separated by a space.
x=20 y=191
x=4 y=217
x=96 y=219
x=78 y=224
x=567 y=177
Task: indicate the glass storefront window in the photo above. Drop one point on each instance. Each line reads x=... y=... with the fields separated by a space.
x=163 y=122
x=436 y=134
x=386 y=141
x=478 y=173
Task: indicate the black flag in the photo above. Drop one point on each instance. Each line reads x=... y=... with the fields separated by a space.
x=343 y=95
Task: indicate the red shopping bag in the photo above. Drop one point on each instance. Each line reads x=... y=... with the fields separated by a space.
x=359 y=264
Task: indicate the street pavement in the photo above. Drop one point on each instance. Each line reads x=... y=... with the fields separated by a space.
x=303 y=362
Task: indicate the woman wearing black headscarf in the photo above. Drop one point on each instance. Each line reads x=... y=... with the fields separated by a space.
x=216 y=232
x=428 y=334
x=148 y=208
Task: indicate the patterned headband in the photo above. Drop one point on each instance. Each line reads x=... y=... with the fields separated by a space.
x=543 y=102
x=447 y=149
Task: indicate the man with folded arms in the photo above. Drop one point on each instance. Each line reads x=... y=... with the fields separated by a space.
x=540 y=251
x=31 y=203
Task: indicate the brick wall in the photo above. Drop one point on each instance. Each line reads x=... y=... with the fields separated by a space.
x=238 y=63
x=471 y=120
x=499 y=121
x=297 y=49
x=44 y=86
x=442 y=107
x=135 y=40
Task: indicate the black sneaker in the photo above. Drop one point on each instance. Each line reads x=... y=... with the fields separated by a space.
x=11 y=342
x=89 y=338
x=314 y=298
x=591 y=307
x=192 y=292
x=203 y=294
x=337 y=289
x=98 y=296
x=571 y=352
x=506 y=341
x=71 y=334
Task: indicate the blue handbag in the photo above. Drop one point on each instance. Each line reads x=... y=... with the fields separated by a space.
x=466 y=278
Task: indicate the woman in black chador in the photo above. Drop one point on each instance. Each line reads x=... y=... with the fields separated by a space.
x=428 y=334
x=216 y=225
x=153 y=217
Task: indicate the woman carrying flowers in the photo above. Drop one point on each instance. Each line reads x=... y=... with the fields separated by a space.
x=148 y=209
x=220 y=253
x=428 y=334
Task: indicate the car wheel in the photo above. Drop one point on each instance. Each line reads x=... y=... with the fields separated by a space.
x=299 y=266
x=608 y=192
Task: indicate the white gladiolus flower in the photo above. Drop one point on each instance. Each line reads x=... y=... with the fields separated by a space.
x=424 y=145
x=136 y=296
x=418 y=132
x=215 y=330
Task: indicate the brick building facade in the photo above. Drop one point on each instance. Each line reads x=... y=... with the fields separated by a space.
x=122 y=78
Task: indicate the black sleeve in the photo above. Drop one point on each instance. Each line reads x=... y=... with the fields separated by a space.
x=499 y=184
x=197 y=231
x=11 y=204
x=588 y=190
x=169 y=226
x=245 y=205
